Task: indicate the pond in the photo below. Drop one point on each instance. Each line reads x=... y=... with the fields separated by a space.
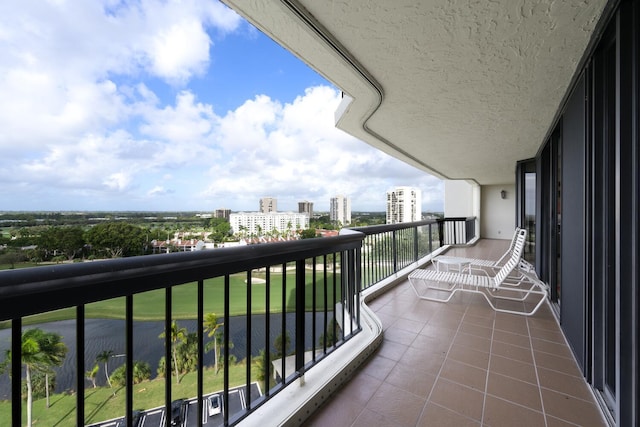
x=106 y=334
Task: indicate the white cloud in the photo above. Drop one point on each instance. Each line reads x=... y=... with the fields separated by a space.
x=83 y=120
x=173 y=138
x=59 y=60
x=95 y=161
x=180 y=51
x=293 y=151
x=246 y=127
x=290 y=151
x=159 y=191
x=118 y=181
x=188 y=121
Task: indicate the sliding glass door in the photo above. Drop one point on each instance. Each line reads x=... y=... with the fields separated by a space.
x=526 y=205
x=603 y=164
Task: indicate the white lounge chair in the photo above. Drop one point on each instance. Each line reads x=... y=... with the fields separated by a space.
x=491 y=287
x=477 y=263
x=490 y=267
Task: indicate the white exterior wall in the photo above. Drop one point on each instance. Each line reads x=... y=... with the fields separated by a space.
x=458 y=198
x=499 y=215
x=249 y=222
x=463 y=199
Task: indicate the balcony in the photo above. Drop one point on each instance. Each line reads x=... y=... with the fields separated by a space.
x=461 y=363
x=457 y=361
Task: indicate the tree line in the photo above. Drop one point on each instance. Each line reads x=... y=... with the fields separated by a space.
x=66 y=243
x=111 y=239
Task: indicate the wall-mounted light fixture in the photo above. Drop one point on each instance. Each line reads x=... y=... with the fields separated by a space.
x=503 y=194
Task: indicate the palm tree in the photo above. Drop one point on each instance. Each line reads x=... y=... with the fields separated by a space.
x=178 y=335
x=188 y=353
x=91 y=375
x=54 y=351
x=40 y=351
x=32 y=357
x=103 y=357
x=211 y=326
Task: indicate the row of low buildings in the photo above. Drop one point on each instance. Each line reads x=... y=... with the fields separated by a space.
x=268 y=221
x=403 y=204
x=260 y=223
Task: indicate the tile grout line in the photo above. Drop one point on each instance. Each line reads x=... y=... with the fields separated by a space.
x=573 y=358
x=397 y=362
x=442 y=367
x=486 y=382
x=382 y=381
x=535 y=366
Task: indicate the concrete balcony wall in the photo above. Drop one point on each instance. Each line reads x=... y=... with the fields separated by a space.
x=498 y=214
x=458 y=198
x=462 y=199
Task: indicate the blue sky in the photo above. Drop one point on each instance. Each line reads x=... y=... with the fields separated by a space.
x=163 y=105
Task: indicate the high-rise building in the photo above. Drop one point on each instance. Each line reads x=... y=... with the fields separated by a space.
x=404 y=204
x=222 y=213
x=340 y=209
x=268 y=204
x=306 y=208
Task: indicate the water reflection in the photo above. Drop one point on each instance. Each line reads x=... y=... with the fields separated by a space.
x=107 y=334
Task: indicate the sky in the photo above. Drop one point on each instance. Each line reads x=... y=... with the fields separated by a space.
x=149 y=105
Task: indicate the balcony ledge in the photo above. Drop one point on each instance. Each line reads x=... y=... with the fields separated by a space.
x=293 y=405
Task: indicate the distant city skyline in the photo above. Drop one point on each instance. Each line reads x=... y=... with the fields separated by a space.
x=160 y=106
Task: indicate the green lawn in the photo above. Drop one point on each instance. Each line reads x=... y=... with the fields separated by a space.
x=101 y=404
x=19 y=265
x=150 y=305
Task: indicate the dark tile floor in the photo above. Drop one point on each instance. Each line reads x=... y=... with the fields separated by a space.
x=462 y=364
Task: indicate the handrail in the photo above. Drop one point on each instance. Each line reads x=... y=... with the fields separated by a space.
x=42 y=289
x=394 y=247
x=65 y=285
x=376 y=229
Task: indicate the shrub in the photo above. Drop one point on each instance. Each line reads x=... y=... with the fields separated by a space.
x=141 y=372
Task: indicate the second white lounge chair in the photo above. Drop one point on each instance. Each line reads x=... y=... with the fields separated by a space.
x=477 y=263
x=495 y=287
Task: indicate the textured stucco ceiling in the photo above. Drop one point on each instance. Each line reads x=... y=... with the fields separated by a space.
x=462 y=89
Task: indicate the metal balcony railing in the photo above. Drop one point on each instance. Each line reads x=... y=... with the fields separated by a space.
x=456 y=231
x=387 y=249
x=308 y=288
